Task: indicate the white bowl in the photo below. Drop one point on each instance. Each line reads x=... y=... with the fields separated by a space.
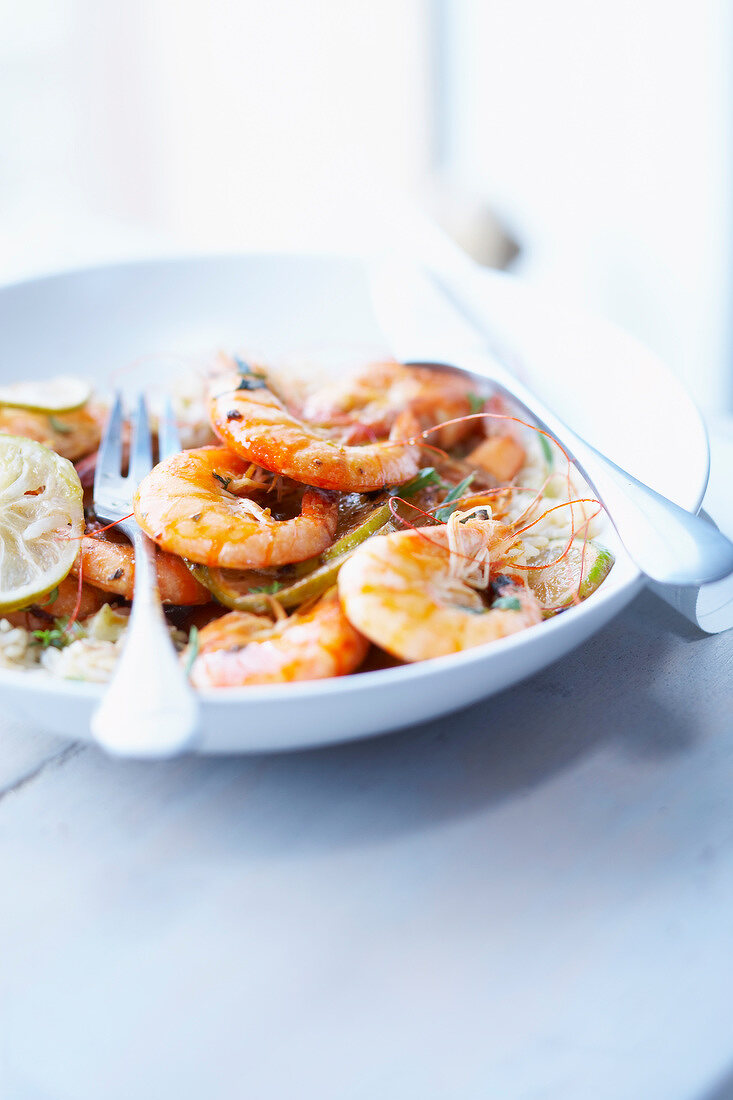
x=611 y=388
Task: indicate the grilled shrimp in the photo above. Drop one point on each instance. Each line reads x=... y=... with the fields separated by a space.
x=71 y=434
x=185 y=505
x=255 y=424
x=416 y=593
x=110 y=565
x=41 y=615
x=241 y=648
x=369 y=403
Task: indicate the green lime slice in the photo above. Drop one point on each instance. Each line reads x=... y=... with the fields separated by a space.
x=41 y=517
x=53 y=395
x=244 y=590
x=234 y=589
x=578 y=573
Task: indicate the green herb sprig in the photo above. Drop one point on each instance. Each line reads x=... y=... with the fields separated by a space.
x=422 y=479
x=546 y=449
x=193 y=649
x=450 y=503
x=506 y=603
x=59 y=426
x=51 y=639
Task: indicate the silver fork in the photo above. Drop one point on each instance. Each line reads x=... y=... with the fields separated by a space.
x=149 y=708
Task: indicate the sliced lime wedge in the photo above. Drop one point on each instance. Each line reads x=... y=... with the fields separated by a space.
x=52 y=395
x=576 y=575
x=41 y=517
x=245 y=590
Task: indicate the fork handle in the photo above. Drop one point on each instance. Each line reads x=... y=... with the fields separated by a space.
x=149 y=708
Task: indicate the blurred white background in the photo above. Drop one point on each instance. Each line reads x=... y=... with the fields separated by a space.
x=599 y=135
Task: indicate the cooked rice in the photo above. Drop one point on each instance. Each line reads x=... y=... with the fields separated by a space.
x=91 y=656
x=572 y=520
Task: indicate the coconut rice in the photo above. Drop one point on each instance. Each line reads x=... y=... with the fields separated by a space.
x=90 y=655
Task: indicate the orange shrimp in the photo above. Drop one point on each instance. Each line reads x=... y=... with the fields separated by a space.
x=110 y=565
x=371 y=401
x=254 y=423
x=241 y=648
x=185 y=505
x=41 y=615
x=71 y=434
x=416 y=593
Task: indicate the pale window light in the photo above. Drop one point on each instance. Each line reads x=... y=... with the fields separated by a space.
x=601 y=134
x=162 y=124
x=598 y=133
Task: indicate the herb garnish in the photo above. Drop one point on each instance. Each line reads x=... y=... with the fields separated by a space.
x=252 y=382
x=59 y=426
x=193 y=649
x=476 y=402
x=449 y=504
x=427 y=476
x=267 y=589
x=506 y=603
x=56 y=638
x=546 y=449
x=51 y=597
x=225 y=481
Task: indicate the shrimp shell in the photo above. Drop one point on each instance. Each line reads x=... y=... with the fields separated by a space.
x=184 y=506
x=400 y=591
x=257 y=426
x=110 y=566
x=241 y=648
x=71 y=434
x=39 y=615
x=371 y=401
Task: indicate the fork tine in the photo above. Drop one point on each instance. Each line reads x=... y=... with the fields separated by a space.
x=169 y=441
x=109 y=458
x=141 y=449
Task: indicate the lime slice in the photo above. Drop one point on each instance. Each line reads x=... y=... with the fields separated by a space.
x=41 y=517
x=245 y=590
x=53 y=395
x=578 y=574
x=236 y=589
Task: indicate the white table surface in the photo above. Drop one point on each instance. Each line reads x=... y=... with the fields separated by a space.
x=529 y=900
